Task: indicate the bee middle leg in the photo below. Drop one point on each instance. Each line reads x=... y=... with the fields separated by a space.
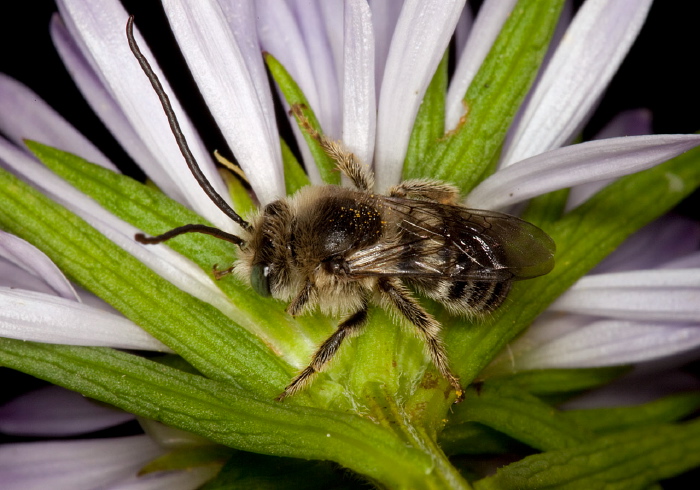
x=351 y=326
x=428 y=328
x=428 y=190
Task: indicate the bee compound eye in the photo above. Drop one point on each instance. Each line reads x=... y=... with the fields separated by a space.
x=260 y=279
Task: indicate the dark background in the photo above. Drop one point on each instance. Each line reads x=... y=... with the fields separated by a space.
x=660 y=73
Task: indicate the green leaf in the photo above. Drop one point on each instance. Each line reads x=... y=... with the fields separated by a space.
x=295 y=97
x=294 y=176
x=221 y=412
x=632 y=459
x=428 y=127
x=519 y=415
x=668 y=409
x=495 y=94
x=152 y=211
x=207 y=339
x=477 y=439
x=554 y=381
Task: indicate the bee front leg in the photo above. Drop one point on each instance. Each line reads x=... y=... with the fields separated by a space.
x=351 y=326
x=428 y=190
x=428 y=328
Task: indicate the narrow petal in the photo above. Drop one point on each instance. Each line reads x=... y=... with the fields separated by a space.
x=636 y=122
x=465 y=24
x=668 y=295
x=488 y=24
x=94 y=463
x=25 y=115
x=610 y=343
x=281 y=36
x=99 y=30
x=35 y=262
x=56 y=412
x=667 y=239
x=577 y=164
x=222 y=76
x=422 y=35
x=359 y=100
x=590 y=53
x=38 y=317
x=313 y=31
x=385 y=15
x=684 y=262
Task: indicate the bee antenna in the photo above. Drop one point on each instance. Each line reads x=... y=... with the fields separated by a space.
x=177 y=132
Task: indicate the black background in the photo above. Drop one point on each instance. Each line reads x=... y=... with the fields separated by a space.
x=660 y=73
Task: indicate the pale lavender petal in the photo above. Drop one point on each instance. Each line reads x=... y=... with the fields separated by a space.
x=669 y=295
x=25 y=115
x=464 y=28
x=333 y=14
x=12 y=276
x=578 y=164
x=636 y=388
x=220 y=70
x=685 y=262
x=35 y=262
x=102 y=102
x=99 y=30
x=189 y=479
x=281 y=36
x=178 y=270
x=635 y=122
x=422 y=35
x=585 y=61
x=359 y=100
x=95 y=463
x=170 y=437
x=488 y=24
x=385 y=15
x=56 y=412
x=38 y=317
x=666 y=239
x=610 y=343
x=240 y=15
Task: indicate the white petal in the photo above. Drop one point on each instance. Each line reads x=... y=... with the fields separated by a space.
x=578 y=164
x=56 y=412
x=281 y=36
x=668 y=295
x=313 y=31
x=99 y=29
x=585 y=61
x=492 y=15
x=220 y=70
x=38 y=317
x=385 y=15
x=74 y=464
x=634 y=122
x=684 y=262
x=610 y=343
x=34 y=261
x=359 y=101
x=25 y=115
x=666 y=239
x=189 y=479
x=465 y=24
x=422 y=35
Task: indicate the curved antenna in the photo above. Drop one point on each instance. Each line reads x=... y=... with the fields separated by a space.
x=177 y=132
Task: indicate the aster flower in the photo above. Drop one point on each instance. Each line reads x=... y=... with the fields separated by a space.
x=374 y=76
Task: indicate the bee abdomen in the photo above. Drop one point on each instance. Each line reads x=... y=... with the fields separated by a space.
x=468 y=297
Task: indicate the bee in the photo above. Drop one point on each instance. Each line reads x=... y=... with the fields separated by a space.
x=342 y=249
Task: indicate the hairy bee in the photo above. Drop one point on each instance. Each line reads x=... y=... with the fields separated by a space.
x=342 y=249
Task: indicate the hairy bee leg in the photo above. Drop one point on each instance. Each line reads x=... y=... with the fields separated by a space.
x=347 y=162
x=301 y=299
x=325 y=353
x=429 y=190
x=428 y=328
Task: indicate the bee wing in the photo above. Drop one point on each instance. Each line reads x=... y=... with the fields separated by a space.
x=444 y=241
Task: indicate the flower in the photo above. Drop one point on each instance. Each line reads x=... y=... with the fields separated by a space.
x=381 y=407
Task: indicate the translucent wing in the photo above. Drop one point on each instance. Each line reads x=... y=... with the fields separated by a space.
x=432 y=240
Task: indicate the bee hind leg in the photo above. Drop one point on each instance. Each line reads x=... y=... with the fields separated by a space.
x=351 y=326
x=428 y=328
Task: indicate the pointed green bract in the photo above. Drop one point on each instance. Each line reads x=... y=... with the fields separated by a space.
x=294 y=176
x=295 y=97
x=495 y=94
